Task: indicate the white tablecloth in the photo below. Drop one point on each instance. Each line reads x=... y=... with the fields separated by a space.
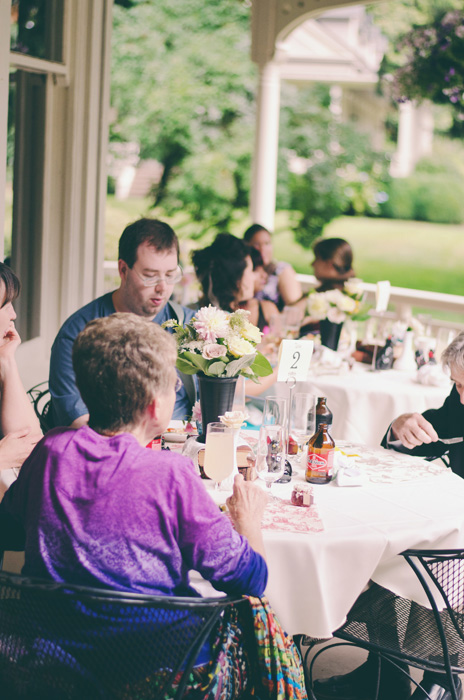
x=364 y=403
x=314 y=579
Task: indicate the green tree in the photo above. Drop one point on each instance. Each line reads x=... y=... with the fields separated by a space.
x=337 y=170
x=183 y=88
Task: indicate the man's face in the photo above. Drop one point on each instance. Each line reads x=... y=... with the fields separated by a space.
x=457 y=376
x=147 y=301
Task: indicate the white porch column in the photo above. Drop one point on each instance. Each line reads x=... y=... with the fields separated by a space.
x=403 y=160
x=263 y=189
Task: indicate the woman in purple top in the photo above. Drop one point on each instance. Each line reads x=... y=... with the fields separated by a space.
x=92 y=506
x=97 y=508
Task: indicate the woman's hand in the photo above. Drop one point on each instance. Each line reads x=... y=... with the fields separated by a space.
x=10 y=342
x=246 y=507
x=16 y=447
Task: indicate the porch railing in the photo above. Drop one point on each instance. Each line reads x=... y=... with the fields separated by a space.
x=402 y=299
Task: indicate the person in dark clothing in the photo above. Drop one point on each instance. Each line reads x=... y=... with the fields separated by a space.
x=419 y=434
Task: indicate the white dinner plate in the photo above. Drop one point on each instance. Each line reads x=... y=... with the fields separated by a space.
x=175 y=437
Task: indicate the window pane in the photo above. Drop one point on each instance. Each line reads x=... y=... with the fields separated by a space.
x=37 y=28
x=26 y=119
x=9 y=164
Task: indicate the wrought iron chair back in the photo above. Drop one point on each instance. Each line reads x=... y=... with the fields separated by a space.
x=41 y=401
x=67 y=642
x=401 y=631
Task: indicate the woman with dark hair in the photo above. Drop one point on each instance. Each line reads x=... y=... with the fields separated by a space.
x=18 y=422
x=333 y=263
x=282 y=286
x=225 y=272
x=261 y=310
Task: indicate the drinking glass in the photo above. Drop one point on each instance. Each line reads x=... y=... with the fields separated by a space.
x=270 y=457
x=292 y=317
x=275 y=411
x=302 y=420
x=219 y=452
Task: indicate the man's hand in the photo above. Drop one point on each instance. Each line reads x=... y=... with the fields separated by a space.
x=16 y=447
x=246 y=508
x=413 y=430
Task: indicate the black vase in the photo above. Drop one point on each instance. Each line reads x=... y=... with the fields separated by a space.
x=216 y=397
x=330 y=333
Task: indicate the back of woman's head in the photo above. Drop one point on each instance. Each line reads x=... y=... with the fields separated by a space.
x=219 y=269
x=11 y=283
x=338 y=252
x=256 y=257
x=121 y=363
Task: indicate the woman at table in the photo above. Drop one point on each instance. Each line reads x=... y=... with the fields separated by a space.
x=333 y=263
x=282 y=286
x=262 y=311
x=136 y=520
x=225 y=272
x=18 y=422
x=332 y=267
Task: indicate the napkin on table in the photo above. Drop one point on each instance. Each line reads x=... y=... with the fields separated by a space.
x=432 y=375
x=347 y=473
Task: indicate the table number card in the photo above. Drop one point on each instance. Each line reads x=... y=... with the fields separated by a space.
x=294 y=359
x=382 y=295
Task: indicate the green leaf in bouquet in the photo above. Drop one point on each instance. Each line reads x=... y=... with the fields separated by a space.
x=261 y=366
x=192 y=358
x=185 y=366
x=362 y=314
x=215 y=369
x=236 y=366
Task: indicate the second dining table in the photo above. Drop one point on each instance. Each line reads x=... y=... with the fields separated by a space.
x=364 y=403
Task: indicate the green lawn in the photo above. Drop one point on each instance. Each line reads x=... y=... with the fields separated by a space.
x=409 y=253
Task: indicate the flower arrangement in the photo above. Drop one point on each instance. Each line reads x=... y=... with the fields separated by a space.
x=337 y=305
x=219 y=344
x=434 y=65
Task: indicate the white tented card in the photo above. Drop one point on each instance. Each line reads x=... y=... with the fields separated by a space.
x=382 y=295
x=294 y=359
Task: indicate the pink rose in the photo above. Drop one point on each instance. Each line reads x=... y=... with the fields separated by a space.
x=213 y=350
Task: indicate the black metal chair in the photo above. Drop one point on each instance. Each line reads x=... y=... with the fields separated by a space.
x=403 y=632
x=41 y=401
x=66 y=642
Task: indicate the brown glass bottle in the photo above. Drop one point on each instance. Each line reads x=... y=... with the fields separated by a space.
x=321 y=451
x=323 y=413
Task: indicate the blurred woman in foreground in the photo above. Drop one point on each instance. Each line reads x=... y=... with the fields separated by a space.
x=19 y=425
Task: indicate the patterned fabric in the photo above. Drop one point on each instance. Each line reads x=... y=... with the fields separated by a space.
x=225 y=678
x=279 y=661
x=283 y=516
